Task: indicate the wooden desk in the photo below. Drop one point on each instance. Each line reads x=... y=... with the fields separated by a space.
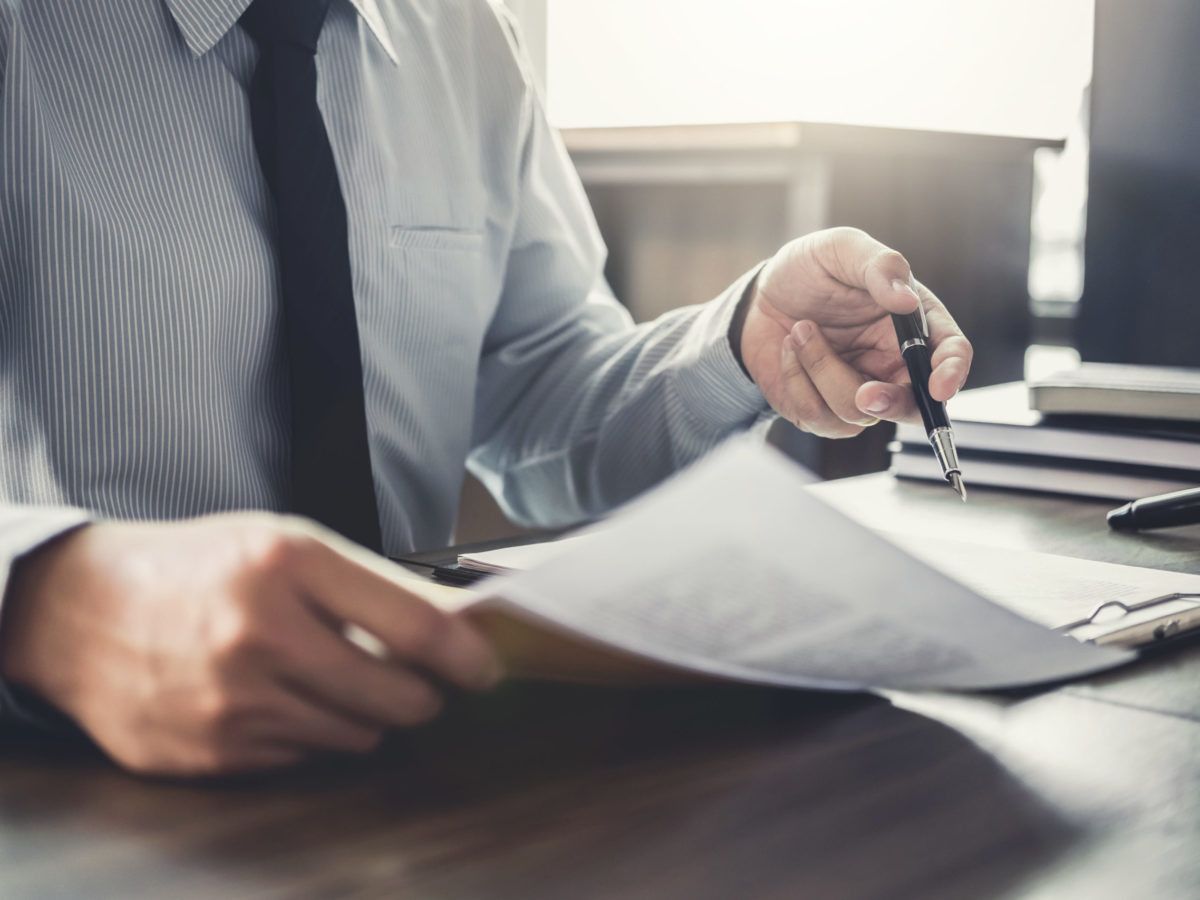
x=1090 y=790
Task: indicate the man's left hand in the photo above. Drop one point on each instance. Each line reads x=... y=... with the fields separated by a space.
x=819 y=342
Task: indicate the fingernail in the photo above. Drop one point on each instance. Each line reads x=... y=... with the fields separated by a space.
x=803 y=332
x=903 y=287
x=877 y=407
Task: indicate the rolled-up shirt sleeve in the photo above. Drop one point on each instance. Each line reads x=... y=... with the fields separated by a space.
x=579 y=409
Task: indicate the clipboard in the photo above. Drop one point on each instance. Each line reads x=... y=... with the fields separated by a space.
x=1140 y=626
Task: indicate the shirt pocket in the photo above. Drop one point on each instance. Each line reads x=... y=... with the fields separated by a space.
x=440 y=253
x=410 y=237
x=445 y=263
x=439 y=286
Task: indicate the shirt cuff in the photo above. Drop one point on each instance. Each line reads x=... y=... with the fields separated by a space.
x=715 y=387
x=23 y=529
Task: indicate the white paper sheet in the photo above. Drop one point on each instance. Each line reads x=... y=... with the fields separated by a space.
x=734 y=569
x=1054 y=591
x=517 y=559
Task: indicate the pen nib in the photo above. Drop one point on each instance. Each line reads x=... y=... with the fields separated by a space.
x=956 y=482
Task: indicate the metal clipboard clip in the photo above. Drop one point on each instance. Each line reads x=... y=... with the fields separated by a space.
x=1139 y=625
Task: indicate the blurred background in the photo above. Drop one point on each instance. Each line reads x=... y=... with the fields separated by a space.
x=708 y=133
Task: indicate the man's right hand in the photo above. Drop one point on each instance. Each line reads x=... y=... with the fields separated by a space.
x=217 y=644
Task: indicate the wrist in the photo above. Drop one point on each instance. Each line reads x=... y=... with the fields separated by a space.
x=34 y=577
x=737 y=324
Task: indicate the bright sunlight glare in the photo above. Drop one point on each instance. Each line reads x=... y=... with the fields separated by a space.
x=1009 y=67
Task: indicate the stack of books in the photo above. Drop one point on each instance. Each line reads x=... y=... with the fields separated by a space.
x=1111 y=432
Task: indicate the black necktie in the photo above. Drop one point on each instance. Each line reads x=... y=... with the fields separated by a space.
x=331 y=464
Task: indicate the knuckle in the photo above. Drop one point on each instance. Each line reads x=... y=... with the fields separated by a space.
x=239 y=634
x=955 y=347
x=893 y=261
x=278 y=550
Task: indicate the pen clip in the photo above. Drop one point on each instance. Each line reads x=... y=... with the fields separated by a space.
x=920 y=313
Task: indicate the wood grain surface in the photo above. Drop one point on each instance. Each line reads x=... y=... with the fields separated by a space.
x=1087 y=790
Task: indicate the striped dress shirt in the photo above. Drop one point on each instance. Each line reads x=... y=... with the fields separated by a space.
x=141 y=364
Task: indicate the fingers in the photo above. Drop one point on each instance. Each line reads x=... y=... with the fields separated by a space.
x=254 y=757
x=885 y=400
x=413 y=630
x=861 y=261
x=951 y=361
x=303 y=723
x=952 y=352
x=828 y=396
x=820 y=386
x=260 y=758
x=858 y=281
x=349 y=681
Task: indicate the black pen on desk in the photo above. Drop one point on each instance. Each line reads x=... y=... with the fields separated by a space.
x=912 y=331
x=1159 y=511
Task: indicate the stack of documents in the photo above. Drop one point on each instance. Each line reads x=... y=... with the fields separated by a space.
x=734 y=569
x=1002 y=442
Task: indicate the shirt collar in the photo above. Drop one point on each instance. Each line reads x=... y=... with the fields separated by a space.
x=204 y=22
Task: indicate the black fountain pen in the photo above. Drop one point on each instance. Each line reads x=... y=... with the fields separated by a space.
x=1159 y=511
x=912 y=331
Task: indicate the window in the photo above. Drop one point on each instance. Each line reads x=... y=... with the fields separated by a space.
x=1009 y=67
